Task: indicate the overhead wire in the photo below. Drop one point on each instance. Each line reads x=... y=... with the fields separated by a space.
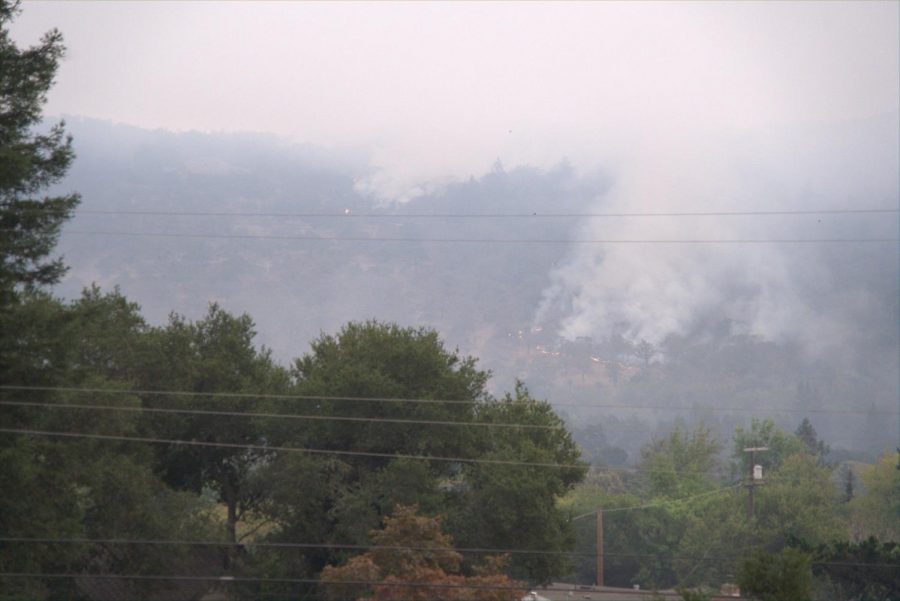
x=363 y=582
x=363 y=547
x=334 y=546
x=225 y=578
x=353 y=453
x=376 y=399
x=635 y=241
x=353 y=547
x=252 y=414
x=302 y=417
x=284 y=449
x=356 y=215
x=652 y=431
x=290 y=416
x=277 y=545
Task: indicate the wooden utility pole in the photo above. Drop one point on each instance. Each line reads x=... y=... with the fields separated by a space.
x=754 y=476
x=599 y=547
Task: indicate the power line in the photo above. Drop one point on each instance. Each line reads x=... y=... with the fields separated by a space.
x=240 y=395
x=367 y=399
x=341 y=452
x=287 y=416
x=251 y=414
x=532 y=215
x=227 y=579
x=276 y=545
x=353 y=547
x=318 y=581
x=686 y=241
x=335 y=546
x=143 y=409
x=270 y=448
x=350 y=547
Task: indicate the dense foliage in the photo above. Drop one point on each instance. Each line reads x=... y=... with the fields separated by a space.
x=784 y=576
x=204 y=437
x=682 y=520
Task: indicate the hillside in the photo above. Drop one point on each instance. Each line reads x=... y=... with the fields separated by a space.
x=496 y=295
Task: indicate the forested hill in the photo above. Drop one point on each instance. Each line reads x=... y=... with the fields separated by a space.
x=491 y=285
x=296 y=288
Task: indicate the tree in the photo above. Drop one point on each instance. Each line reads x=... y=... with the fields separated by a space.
x=677 y=467
x=810 y=439
x=864 y=571
x=784 y=576
x=44 y=504
x=501 y=505
x=713 y=532
x=216 y=359
x=373 y=360
x=682 y=464
x=29 y=163
x=876 y=508
x=414 y=560
x=848 y=484
x=83 y=488
x=487 y=504
x=763 y=433
x=799 y=501
x=639 y=544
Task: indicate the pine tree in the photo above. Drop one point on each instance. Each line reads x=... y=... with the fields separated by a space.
x=30 y=162
x=810 y=438
x=848 y=485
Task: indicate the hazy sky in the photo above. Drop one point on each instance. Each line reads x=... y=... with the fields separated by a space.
x=443 y=89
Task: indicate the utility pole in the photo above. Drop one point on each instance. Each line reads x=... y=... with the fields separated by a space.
x=598 y=513
x=599 y=547
x=755 y=475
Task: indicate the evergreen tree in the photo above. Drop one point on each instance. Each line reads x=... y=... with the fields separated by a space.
x=30 y=162
x=810 y=438
x=848 y=485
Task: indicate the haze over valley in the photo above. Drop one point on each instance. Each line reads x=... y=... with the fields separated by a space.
x=502 y=264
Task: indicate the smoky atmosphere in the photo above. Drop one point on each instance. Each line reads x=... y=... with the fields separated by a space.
x=390 y=301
